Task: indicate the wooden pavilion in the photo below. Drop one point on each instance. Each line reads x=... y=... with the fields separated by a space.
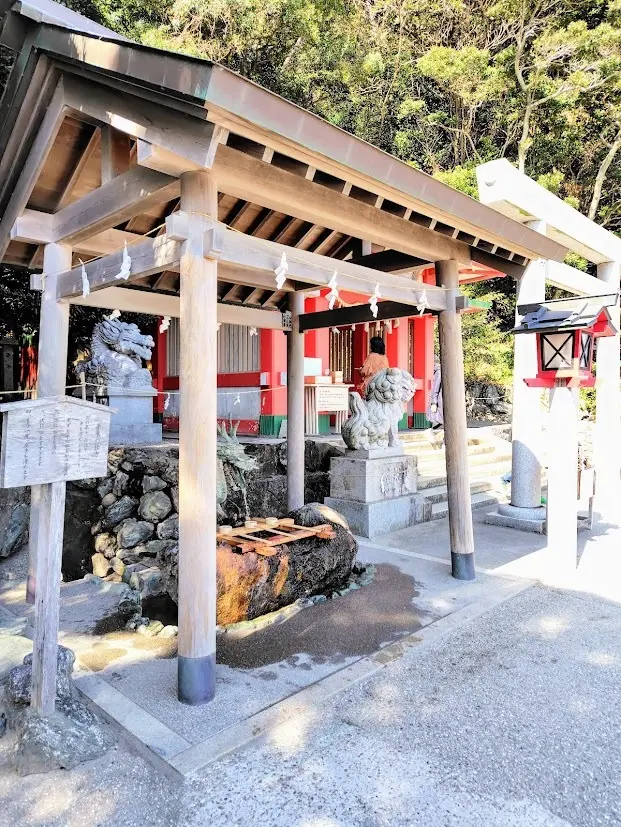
x=208 y=179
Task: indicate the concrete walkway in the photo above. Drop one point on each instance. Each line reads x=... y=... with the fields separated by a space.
x=493 y=703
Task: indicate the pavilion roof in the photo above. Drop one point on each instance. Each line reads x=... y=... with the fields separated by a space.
x=263 y=138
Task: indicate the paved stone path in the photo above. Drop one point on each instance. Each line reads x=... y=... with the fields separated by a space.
x=510 y=721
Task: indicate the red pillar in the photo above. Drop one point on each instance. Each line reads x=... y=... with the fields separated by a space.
x=273 y=348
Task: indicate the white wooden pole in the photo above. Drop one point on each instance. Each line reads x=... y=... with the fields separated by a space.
x=562 y=442
x=295 y=406
x=47 y=508
x=608 y=415
x=455 y=426
x=527 y=413
x=197 y=447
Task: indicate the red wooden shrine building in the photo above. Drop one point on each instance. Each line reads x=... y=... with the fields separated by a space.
x=252 y=364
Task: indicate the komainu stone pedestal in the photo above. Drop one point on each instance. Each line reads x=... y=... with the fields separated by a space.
x=375 y=491
x=132 y=424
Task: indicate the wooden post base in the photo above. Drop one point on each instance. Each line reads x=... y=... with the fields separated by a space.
x=196 y=679
x=462 y=566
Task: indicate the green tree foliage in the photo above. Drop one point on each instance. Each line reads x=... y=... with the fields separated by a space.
x=442 y=84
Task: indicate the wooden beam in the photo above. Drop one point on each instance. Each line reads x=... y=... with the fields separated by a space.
x=136 y=191
x=33 y=166
x=356 y=314
x=255 y=255
x=34 y=227
x=130 y=300
x=115 y=151
x=153 y=255
x=78 y=170
x=246 y=177
x=192 y=139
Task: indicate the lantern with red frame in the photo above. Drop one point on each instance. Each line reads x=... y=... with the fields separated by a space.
x=566 y=330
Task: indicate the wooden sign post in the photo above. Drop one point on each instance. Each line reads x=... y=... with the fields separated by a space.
x=46 y=442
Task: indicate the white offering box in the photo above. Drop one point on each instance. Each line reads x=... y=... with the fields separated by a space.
x=55 y=439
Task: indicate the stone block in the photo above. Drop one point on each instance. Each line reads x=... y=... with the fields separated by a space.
x=520 y=523
x=374 y=518
x=136 y=434
x=370 y=480
x=376 y=453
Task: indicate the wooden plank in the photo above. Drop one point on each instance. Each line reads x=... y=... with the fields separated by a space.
x=194 y=140
x=246 y=177
x=153 y=255
x=33 y=165
x=136 y=191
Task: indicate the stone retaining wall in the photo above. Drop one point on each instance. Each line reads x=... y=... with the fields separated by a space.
x=131 y=515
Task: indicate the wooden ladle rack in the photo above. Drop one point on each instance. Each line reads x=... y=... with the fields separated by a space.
x=265 y=538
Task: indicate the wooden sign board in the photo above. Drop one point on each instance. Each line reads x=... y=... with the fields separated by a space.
x=55 y=439
x=332 y=397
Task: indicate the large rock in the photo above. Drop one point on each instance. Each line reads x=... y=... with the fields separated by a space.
x=70 y=735
x=14 y=518
x=154 y=506
x=133 y=532
x=250 y=585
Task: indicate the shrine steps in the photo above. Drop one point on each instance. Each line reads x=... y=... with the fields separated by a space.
x=489 y=460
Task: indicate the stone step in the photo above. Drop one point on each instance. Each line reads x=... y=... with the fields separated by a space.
x=493 y=472
x=440 y=510
x=496 y=461
x=431 y=451
x=423 y=438
x=439 y=493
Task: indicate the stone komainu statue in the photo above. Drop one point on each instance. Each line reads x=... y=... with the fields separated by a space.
x=117 y=351
x=374 y=421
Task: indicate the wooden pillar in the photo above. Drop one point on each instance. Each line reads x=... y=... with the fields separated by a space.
x=608 y=413
x=197 y=447
x=48 y=501
x=455 y=427
x=562 y=445
x=423 y=362
x=295 y=405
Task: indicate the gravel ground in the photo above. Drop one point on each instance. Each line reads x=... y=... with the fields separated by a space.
x=513 y=721
x=117 y=790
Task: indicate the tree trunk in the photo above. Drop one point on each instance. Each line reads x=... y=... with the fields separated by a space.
x=601 y=175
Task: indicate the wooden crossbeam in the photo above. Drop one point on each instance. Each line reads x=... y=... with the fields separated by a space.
x=153 y=255
x=246 y=177
x=34 y=227
x=355 y=315
x=192 y=140
x=125 y=196
x=129 y=300
x=239 y=252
